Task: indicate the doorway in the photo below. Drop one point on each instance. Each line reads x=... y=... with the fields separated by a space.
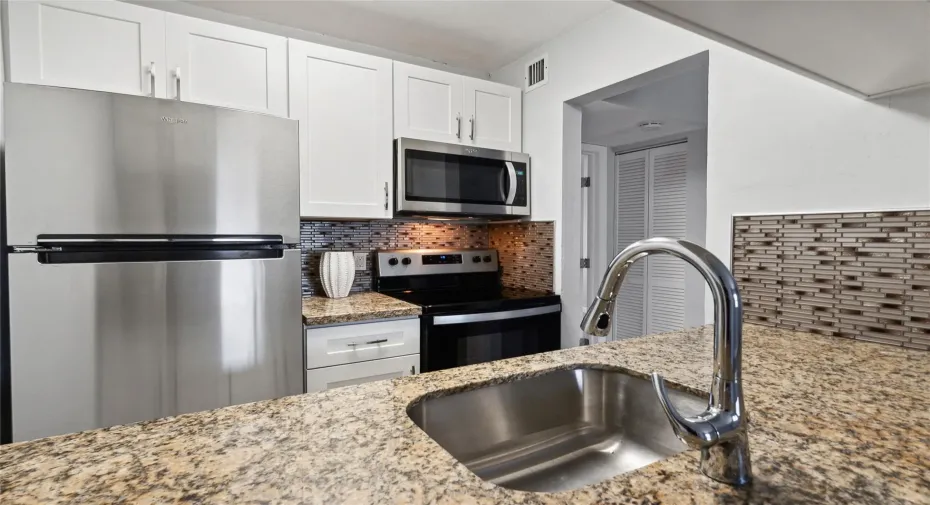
x=643 y=170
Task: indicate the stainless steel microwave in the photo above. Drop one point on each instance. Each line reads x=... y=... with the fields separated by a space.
x=437 y=179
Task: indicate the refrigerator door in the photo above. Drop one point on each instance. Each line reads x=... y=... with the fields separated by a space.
x=92 y=163
x=100 y=344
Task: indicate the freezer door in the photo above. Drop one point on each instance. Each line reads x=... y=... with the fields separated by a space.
x=95 y=345
x=92 y=163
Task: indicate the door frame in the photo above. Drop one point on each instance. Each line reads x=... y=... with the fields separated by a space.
x=597 y=222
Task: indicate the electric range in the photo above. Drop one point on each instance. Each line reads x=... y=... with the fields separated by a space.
x=468 y=316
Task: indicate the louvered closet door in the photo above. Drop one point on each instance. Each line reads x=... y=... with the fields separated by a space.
x=668 y=196
x=631 y=226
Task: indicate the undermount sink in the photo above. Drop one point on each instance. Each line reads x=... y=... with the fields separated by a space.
x=557 y=431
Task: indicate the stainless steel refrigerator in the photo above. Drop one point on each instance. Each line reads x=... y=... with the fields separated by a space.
x=150 y=259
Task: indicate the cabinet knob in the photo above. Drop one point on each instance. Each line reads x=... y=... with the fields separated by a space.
x=177 y=83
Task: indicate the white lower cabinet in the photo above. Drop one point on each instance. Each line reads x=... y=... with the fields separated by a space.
x=321 y=379
x=365 y=352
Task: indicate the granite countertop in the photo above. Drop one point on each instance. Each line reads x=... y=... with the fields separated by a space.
x=832 y=421
x=319 y=310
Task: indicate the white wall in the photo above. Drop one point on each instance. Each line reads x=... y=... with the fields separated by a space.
x=777 y=141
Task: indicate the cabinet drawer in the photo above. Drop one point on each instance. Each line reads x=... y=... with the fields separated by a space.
x=352 y=343
x=332 y=377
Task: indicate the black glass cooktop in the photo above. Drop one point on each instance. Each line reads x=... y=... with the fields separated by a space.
x=463 y=301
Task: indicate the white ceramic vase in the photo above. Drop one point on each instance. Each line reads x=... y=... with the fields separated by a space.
x=337 y=272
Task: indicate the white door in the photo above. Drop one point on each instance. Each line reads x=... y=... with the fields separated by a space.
x=493 y=115
x=321 y=379
x=631 y=222
x=668 y=198
x=427 y=104
x=227 y=66
x=343 y=102
x=97 y=45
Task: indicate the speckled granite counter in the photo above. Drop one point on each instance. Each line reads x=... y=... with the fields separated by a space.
x=320 y=310
x=833 y=421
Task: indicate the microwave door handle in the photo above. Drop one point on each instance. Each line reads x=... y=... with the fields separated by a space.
x=512 y=191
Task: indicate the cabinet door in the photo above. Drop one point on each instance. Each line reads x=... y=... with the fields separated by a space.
x=343 y=102
x=227 y=66
x=493 y=115
x=427 y=104
x=321 y=379
x=668 y=217
x=98 y=45
x=631 y=219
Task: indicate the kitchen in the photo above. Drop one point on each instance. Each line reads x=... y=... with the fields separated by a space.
x=340 y=205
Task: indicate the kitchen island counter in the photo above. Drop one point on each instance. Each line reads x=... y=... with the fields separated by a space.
x=832 y=421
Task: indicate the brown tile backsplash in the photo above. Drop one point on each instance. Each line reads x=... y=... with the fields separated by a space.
x=526 y=249
x=860 y=275
x=317 y=237
x=526 y=253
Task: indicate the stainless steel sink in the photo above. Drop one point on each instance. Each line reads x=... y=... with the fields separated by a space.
x=557 y=431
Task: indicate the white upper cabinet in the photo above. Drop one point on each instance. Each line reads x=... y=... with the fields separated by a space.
x=228 y=66
x=440 y=106
x=427 y=104
x=343 y=102
x=99 y=45
x=495 y=114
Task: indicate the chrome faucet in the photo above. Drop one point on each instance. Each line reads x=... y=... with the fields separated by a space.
x=720 y=432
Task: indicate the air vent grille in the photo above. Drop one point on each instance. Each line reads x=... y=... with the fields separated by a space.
x=537 y=73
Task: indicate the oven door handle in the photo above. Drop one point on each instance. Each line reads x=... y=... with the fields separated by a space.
x=495 y=316
x=512 y=190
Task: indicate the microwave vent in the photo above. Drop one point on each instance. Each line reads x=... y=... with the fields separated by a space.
x=537 y=73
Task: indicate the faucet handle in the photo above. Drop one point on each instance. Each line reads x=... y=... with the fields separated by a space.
x=697 y=432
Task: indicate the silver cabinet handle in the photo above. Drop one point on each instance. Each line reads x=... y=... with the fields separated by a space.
x=413 y=370
x=385 y=196
x=472 y=121
x=177 y=81
x=152 y=78
x=370 y=342
x=512 y=192
x=458 y=122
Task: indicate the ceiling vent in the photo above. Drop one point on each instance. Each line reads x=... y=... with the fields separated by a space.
x=537 y=73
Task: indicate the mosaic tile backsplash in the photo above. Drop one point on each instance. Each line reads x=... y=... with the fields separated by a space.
x=860 y=275
x=317 y=237
x=526 y=252
x=526 y=249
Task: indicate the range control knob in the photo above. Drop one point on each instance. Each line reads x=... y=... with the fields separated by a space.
x=405 y=261
x=476 y=259
x=487 y=259
x=392 y=262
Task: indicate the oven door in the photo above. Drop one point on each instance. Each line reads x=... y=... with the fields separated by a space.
x=466 y=339
x=444 y=179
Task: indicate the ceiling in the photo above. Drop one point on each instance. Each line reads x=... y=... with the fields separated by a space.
x=478 y=35
x=870 y=47
x=678 y=102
